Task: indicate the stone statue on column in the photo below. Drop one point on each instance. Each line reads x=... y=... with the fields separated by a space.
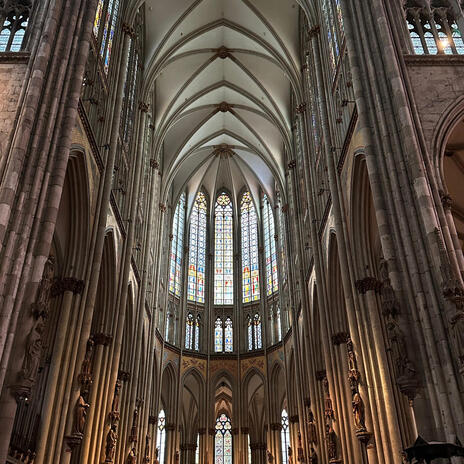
x=132 y=458
x=80 y=413
x=111 y=439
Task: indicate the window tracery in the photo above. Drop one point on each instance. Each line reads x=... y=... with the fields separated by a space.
x=107 y=14
x=177 y=245
x=272 y=282
x=223 y=335
x=255 y=341
x=161 y=436
x=223 y=440
x=197 y=250
x=331 y=11
x=250 y=259
x=192 y=332
x=223 y=251
x=433 y=28
x=285 y=436
x=14 y=17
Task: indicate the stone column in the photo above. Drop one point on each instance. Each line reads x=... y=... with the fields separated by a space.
x=258 y=453
x=68 y=287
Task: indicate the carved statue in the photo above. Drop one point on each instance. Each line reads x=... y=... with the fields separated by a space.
x=156 y=456
x=290 y=455
x=111 y=439
x=80 y=412
x=146 y=459
x=115 y=405
x=41 y=304
x=398 y=344
x=135 y=420
x=177 y=456
x=132 y=458
x=86 y=368
x=33 y=351
x=359 y=412
x=331 y=442
x=312 y=430
x=270 y=458
x=313 y=457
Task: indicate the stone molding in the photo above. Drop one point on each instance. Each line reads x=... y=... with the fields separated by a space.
x=67 y=284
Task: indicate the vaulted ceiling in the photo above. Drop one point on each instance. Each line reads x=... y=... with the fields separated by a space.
x=222 y=73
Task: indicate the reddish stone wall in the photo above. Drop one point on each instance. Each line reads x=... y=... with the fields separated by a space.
x=11 y=81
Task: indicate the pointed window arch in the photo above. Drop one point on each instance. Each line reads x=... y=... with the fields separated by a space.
x=218 y=335
x=177 y=245
x=284 y=436
x=223 y=251
x=161 y=436
x=250 y=260
x=197 y=250
x=272 y=281
x=14 y=19
x=223 y=450
x=197 y=333
x=189 y=326
x=106 y=15
x=255 y=341
x=228 y=336
x=331 y=10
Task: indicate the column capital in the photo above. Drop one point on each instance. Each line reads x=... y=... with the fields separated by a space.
x=102 y=339
x=124 y=376
x=367 y=284
x=294 y=419
x=340 y=338
x=143 y=107
x=320 y=375
x=67 y=284
x=276 y=426
x=314 y=31
x=128 y=29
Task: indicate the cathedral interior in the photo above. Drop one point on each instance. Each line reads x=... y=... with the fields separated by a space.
x=231 y=231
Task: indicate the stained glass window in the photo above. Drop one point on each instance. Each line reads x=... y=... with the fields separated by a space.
x=218 y=344
x=197 y=333
x=189 y=323
x=257 y=332
x=15 y=18
x=177 y=245
x=228 y=336
x=272 y=281
x=254 y=333
x=250 y=266
x=161 y=436
x=111 y=18
x=98 y=17
x=223 y=440
x=278 y=323
x=331 y=29
x=197 y=251
x=223 y=251
x=250 y=333
x=285 y=437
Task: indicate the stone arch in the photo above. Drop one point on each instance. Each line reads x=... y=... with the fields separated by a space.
x=223 y=395
x=253 y=404
x=169 y=392
x=278 y=391
x=192 y=414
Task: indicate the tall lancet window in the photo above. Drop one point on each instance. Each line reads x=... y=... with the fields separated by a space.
x=197 y=250
x=223 y=251
x=14 y=18
x=250 y=266
x=107 y=15
x=218 y=335
x=255 y=341
x=284 y=437
x=223 y=441
x=161 y=436
x=189 y=326
x=333 y=23
x=177 y=245
x=192 y=332
x=228 y=336
x=272 y=280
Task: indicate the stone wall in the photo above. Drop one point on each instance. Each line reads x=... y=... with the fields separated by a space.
x=437 y=84
x=12 y=74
